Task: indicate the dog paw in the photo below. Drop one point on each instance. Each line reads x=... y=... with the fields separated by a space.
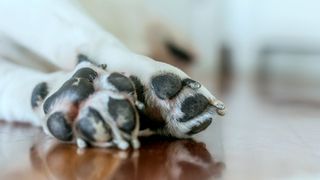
x=175 y=104
x=92 y=107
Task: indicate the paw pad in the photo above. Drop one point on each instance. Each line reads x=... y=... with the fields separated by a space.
x=198 y=128
x=59 y=127
x=123 y=114
x=193 y=106
x=121 y=82
x=166 y=86
x=92 y=127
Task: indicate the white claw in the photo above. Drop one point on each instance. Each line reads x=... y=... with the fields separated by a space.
x=122 y=145
x=218 y=104
x=135 y=143
x=221 y=109
x=194 y=85
x=81 y=143
x=139 y=105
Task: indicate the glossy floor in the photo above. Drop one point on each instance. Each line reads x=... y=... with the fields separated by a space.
x=26 y=153
x=258 y=139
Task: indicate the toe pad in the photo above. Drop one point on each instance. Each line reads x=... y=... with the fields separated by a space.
x=121 y=82
x=166 y=86
x=193 y=106
x=59 y=127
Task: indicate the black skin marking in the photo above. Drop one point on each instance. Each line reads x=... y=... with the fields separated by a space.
x=59 y=127
x=87 y=129
x=74 y=89
x=201 y=127
x=180 y=54
x=166 y=86
x=121 y=82
x=86 y=73
x=193 y=106
x=83 y=58
x=140 y=89
x=39 y=93
x=119 y=107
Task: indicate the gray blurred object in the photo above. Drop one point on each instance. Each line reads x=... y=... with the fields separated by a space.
x=225 y=69
x=290 y=74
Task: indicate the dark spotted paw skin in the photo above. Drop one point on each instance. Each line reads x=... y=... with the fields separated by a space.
x=39 y=93
x=176 y=106
x=92 y=107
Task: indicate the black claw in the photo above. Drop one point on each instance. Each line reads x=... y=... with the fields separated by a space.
x=123 y=113
x=59 y=127
x=103 y=66
x=166 y=86
x=191 y=83
x=121 y=82
x=140 y=89
x=75 y=90
x=86 y=73
x=193 y=106
x=84 y=58
x=88 y=127
x=39 y=93
x=201 y=127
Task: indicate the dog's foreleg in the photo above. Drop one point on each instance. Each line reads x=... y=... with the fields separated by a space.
x=54 y=29
x=17 y=84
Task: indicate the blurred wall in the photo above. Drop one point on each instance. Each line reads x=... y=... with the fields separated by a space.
x=201 y=21
x=249 y=24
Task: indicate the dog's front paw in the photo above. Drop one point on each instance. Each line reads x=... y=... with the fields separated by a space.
x=91 y=107
x=175 y=104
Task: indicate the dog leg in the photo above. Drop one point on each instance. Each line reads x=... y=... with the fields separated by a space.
x=17 y=83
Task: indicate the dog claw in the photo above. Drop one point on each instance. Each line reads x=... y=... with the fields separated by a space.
x=139 y=105
x=192 y=84
x=103 y=66
x=122 y=145
x=221 y=109
x=81 y=143
x=135 y=144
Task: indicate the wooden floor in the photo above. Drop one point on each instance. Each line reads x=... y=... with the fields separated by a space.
x=256 y=140
x=26 y=153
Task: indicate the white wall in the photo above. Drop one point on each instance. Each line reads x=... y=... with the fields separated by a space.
x=251 y=23
x=200 y=19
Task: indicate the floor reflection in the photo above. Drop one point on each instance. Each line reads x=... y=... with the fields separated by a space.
x=158 y=158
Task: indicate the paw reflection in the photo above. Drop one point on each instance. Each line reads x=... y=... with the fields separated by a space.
x=156 y=159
